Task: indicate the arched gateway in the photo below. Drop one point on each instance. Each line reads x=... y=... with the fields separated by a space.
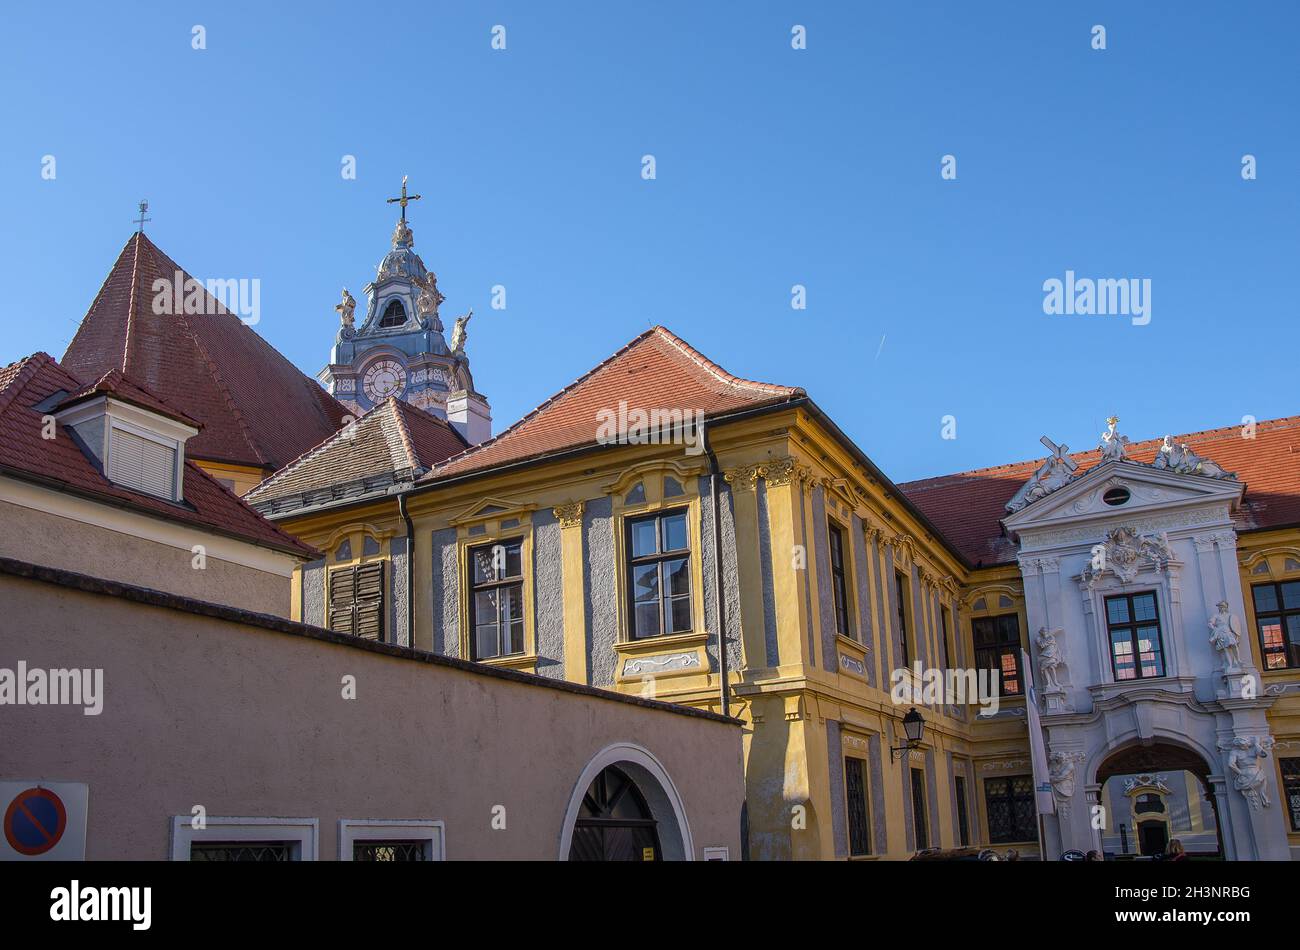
x=1150 y=801
x=625 y=807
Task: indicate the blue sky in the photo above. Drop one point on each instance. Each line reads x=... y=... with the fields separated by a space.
x=775 y=167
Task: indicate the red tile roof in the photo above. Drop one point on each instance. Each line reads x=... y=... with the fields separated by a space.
x=256 y=407
x=657 y=370
x=61 y=464
x=114 y=384
x=969 y=506
x=394 y=436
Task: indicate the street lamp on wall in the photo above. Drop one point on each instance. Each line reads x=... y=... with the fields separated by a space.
x=913 y=728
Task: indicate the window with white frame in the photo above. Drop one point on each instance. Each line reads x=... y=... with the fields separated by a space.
x=256 y=840
x=380 y=839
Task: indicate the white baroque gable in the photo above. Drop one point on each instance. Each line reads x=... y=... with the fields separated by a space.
x=1151 y=491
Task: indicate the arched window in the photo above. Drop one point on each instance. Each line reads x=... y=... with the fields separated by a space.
x=1148 y=802
x=394 y=315
x=614 y=823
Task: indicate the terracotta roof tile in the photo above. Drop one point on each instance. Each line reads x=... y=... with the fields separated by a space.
x=657 y=370
x=256 y=407
x=969 y=506
x=61 y=464
x=113 y=383
x=392 y=437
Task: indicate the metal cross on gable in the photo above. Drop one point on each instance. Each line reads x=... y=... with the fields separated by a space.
x=404 y=199
x=140 y=222
x=1058 y=453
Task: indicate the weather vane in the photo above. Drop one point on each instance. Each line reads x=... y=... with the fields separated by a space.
x=144 y=207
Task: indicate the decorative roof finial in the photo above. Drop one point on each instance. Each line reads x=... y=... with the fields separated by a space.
x=1113 y=445
x=144 y=207
x=402 y=233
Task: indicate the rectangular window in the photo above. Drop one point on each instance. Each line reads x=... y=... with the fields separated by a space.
x=918 y=809
x=244 y=840
x=496 y=599
x=963 y=826
x=1010 y=806
x=839 y=588
x=260 y=852
x=141 y=463
x=855 y=793
x=997 y=647
x=357 y=600
x=943 y=638
x=1291 y=789
x=1134 y=624
x=1277 y=617
x=659 y=574
x=900 y=595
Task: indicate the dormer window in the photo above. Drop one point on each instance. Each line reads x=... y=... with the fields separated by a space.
x=137 y=441
x=394 y=315
x=142 y=460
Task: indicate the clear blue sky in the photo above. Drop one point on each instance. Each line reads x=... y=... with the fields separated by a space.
x=775 y=167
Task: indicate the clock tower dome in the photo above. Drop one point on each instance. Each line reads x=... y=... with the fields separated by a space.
x=399 y=348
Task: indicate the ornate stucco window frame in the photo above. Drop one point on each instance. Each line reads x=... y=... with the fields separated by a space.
x=667 y=655
x=995 y=592
x=1165 y=583
x=491 y=521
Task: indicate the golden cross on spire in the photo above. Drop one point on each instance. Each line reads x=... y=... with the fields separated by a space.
x=403 y=199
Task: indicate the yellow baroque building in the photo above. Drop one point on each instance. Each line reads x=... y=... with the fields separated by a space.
x=663 y=528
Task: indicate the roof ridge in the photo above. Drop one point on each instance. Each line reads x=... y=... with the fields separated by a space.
x=532 y=413
x=325 y=443
x=28 y=367
x=1012 y=466
x=407 y=445
x=131 y=299
x=103 y=287
x=710 y=366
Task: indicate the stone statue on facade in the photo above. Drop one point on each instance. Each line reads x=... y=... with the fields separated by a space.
x=1055 y=472
x=1060 y=771
x=459 y=334
x=346 y=307
x=1244 y=761
x=1225 y=636
x=1050 y=658
x=427 y=303
x=1176 y=457
x=1114 y=447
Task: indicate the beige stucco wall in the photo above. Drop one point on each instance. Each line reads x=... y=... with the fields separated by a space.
x=34 y=535
x=247 y=721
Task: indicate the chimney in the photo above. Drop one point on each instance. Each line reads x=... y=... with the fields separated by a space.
x=471 y=415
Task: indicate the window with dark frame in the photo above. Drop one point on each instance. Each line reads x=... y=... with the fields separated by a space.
x=943 y=638
x=1277 y=619
x=1011 y=810
x=839 y=588
x=1133 y=621
x=918 y=810
x=357 y=600
x=997 y=647
x=659 y=574
x=390 y=851
x=394 y=315
x=496 y=600
x=963 y=824
x=900 y=595
x=1291 y=789
x=855 y=793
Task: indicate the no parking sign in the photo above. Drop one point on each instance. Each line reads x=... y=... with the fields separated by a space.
x=43 y=821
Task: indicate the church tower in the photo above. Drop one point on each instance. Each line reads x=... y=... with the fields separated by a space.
x=399 y=348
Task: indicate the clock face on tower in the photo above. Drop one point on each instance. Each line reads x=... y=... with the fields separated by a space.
x=384 y=378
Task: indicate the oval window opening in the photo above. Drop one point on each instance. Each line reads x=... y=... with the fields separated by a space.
x=1116 y=496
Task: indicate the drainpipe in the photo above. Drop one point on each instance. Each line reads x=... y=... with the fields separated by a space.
x=410 y=570
x=714 y=474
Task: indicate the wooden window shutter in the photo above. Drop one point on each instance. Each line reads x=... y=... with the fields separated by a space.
x=343 y=587
x=370 y=601
x=357 y=600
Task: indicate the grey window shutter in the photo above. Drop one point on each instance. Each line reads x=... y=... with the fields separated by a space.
x=343 y=586
x=370 y=601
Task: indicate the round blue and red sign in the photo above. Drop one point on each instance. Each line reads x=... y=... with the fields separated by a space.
x=35 y=821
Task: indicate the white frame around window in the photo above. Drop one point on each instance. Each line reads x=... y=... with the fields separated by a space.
x=433 y=832
x=302 y=833
x=171 y=445
x=717 y=854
